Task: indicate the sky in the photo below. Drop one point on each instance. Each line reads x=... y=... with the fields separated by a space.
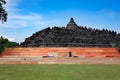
x=26 y=17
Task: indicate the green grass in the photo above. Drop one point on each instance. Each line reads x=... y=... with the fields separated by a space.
x=60 y=72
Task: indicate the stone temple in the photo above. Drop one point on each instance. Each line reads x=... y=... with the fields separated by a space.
x=66 y=45
x=72 y=36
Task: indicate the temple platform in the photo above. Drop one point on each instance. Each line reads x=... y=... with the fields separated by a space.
x=61 y=52
x=60 y=55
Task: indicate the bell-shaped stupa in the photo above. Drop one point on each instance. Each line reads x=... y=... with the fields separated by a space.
x=72 y=24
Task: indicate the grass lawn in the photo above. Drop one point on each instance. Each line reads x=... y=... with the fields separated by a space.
x=60 y=72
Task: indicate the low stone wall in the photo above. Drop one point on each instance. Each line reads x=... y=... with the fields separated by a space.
x=61 y=52
x=39 y=60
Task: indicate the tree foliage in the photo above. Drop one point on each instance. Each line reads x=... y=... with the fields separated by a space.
x=3 y=13
x=5 y=43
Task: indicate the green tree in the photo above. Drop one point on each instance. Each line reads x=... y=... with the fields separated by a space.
x=3 y=13
x=5 y=43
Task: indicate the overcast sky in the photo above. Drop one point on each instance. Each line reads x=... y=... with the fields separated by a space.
x=28 y=16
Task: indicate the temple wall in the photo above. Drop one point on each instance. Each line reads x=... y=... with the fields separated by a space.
x=62 y=52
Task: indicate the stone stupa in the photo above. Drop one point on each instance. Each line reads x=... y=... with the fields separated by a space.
x=72 y=24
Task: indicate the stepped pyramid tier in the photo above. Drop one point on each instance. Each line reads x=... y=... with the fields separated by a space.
x=72 y=36
x=72 y=24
